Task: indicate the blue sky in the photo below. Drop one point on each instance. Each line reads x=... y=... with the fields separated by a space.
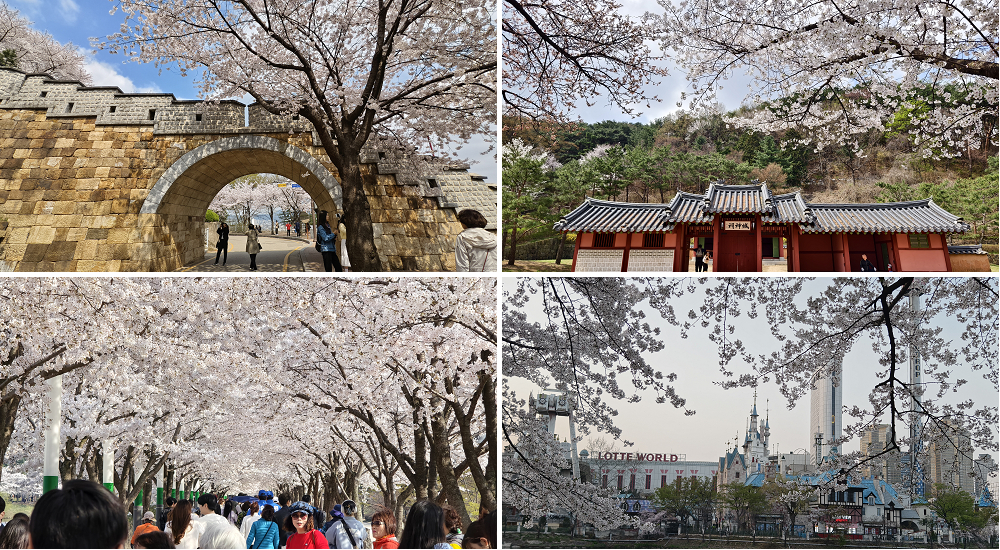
x=77 y=21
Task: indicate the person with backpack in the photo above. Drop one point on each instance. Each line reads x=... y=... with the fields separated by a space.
x=264 y=531
x=347 y=532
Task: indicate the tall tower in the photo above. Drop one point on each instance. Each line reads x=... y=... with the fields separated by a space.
x=914 y=475
x=826 y=405
x=555 y=403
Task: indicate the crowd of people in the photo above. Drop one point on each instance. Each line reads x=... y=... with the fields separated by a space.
x=84 y=514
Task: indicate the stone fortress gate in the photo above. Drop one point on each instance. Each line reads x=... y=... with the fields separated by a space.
x=93 y=179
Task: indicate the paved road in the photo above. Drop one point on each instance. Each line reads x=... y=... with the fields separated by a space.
x=278 y=254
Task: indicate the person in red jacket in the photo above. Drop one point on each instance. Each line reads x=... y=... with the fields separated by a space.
x=303 y=532
x=384 y=530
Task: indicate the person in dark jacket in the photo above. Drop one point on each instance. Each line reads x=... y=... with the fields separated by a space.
x=279 y=517
x=865 y=264
x=223 y=244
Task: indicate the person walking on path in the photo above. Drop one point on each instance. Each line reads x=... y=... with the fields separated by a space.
x=300 y=525
x=475 y=247
x=253 y=246
x=699 y=259
x=347 y=532
x=146 y=526
x=253 y=514
x=298 y=228
x=384 y=530
x=222 y=246
x=182 y=530
x=264 y=532
x=327 y=241
x=281 y=515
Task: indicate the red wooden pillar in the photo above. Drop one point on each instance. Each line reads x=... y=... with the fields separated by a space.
x=716 y=237
x=759 y=232
x=628 y=246
x=847 y=252
x=896 y=264
x=793 y=252
x=576 y=249
x=680 y=248
x=947 y=257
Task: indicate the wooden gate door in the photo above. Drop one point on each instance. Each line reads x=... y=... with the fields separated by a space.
x=737 y=250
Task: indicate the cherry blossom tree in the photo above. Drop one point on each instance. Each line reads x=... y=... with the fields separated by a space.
x=594 y=337
x=839 y=70
x=411 y=72
x=37 y=52
x=346 y=382
x=557 y=53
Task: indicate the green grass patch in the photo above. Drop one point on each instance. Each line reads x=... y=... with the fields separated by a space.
x=15 y=507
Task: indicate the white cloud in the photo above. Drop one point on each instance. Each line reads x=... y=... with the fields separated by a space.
x=69 y=10
x=103 y=74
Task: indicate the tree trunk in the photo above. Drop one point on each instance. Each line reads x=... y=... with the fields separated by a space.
x=8 y=413
x=442 y=455
x=357 y=213
x=513 y=245
x=562 y=244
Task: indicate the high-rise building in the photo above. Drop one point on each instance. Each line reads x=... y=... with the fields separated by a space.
x=875 y=440
x=825 y=410
x=949 y=459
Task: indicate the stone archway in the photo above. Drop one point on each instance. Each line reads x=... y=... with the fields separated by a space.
x=174 y=211
x=199 y=172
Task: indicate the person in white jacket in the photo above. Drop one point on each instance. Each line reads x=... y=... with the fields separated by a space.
x=337 y=535
x=475 y=247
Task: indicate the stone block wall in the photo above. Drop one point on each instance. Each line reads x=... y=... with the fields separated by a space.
x=72 y=184
x=412 y=233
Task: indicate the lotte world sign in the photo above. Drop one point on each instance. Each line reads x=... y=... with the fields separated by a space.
x=648 y=457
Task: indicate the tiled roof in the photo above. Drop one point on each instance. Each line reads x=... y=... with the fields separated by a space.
x=894 y=217
x=598 y=215
x=789 y=208
x=738 y=199
x=689 y=208
x=921 y=216
x=966 y=249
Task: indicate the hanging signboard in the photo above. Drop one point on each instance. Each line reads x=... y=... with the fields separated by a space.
x=737 y=226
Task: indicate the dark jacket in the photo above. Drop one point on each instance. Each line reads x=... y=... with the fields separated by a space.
x=279 y=518
x=223 y=232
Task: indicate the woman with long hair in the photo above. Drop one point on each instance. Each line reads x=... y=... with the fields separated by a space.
x=229 y=511
x=424 y=527
x=179 y=526
x=303 y=533
x=384 y=530
x=253 y=245
x=264 y=531
x=326 y=239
